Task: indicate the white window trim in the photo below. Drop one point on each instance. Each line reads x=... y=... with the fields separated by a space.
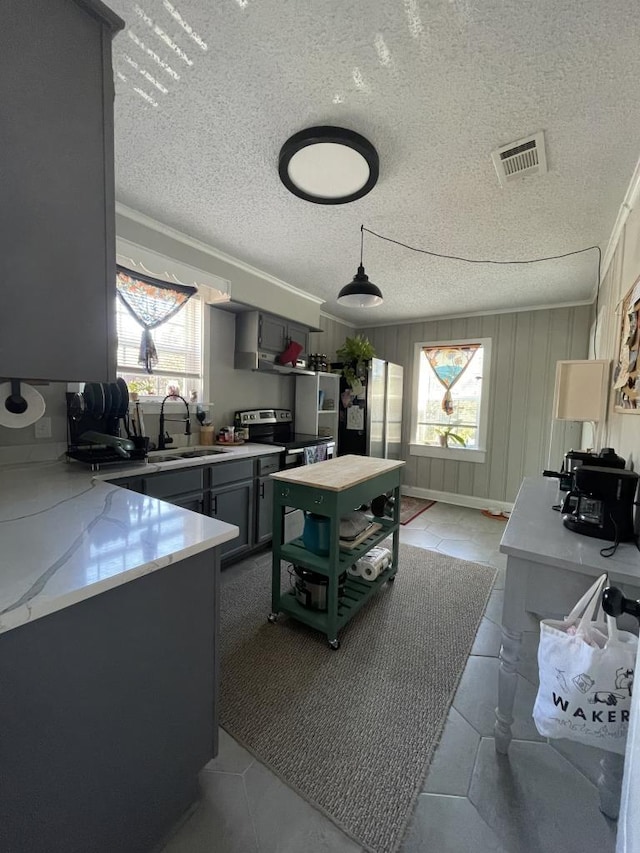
x=453 y=454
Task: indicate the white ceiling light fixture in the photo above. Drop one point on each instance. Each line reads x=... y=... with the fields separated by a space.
x=360 y=293
x=328 y=165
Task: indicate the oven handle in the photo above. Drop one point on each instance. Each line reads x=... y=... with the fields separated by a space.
x=293 y=457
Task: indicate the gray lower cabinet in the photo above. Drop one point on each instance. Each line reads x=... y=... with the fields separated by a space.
x=196 y=503
x=239 y=492
x=57 y=207
x=234 y=504
x=264 y=514
x=108 y=712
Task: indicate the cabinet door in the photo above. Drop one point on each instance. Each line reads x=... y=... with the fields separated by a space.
x=193 y=502
x=234 y=504
x=57 y=210
x=264 y=499
x=299 y=334
x=273 y=333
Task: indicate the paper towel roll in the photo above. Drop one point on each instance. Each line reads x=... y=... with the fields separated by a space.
x=370 y=571
x=354 y=571
x=33 y=412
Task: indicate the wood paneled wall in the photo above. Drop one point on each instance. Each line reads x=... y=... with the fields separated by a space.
x=525 y=348
x=333 y=335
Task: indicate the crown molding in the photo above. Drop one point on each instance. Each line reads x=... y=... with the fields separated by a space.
x=333 y=317
x=437 y=317
x=192 y=242
x=628 y=203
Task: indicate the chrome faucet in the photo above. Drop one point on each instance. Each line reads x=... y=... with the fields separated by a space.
x=164 y=438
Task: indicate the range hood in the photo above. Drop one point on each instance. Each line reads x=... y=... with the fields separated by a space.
x=266 y=363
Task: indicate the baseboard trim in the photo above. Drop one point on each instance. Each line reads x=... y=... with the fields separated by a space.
x=459 y=500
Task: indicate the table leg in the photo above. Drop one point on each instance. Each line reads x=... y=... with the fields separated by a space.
x=332 y=590
x=610 y=783
x=507 y=683
x=276 y=543
x=396 y=532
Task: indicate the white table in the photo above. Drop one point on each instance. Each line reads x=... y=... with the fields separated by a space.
x=548 y=569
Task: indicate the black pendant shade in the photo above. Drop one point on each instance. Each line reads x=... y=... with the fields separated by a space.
x=360 y=293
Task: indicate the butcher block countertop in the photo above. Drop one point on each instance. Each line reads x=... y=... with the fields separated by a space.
x=336 y=475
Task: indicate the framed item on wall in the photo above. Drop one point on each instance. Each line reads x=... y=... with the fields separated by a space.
x=626 y=380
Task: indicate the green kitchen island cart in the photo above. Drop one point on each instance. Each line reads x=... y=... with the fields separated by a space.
x=333 y=489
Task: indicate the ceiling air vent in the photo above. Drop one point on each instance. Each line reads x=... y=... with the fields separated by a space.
x=520 y=159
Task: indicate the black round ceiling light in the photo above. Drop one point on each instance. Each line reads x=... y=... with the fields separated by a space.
x=328 y=165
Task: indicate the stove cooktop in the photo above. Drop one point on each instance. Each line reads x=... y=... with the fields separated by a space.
x=294 y=442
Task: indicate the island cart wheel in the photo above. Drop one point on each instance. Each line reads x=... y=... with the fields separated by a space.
x=334 y=644
x=272 y=617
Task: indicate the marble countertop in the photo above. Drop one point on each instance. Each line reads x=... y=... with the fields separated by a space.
x=156 y=464
x=66 y=535
x=558 y=546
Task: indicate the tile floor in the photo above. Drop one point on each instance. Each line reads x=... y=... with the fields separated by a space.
x=540 y=799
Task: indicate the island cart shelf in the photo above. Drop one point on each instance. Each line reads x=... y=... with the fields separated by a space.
x=333 y=489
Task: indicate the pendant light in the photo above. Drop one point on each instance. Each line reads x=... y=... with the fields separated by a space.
x=360 y=293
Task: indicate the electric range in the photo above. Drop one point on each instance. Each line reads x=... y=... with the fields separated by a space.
x=275 y=426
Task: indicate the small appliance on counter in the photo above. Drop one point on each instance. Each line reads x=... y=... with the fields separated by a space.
x=574 y=459
x=96 y=420
x=601 y=503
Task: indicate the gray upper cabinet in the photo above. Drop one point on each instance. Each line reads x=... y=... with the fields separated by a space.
x=57 y=209
x=299 y=334
x=272 y=334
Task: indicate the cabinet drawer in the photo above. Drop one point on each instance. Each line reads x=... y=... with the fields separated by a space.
x=231 y=472
x=268 y=465
x=174 y=483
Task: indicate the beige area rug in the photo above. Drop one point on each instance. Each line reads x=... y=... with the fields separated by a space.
x=353 y=730
x=411 y=508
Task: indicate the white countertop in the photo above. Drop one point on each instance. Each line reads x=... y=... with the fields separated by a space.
x=66 y=535
x=559 y=546
x=245 y=451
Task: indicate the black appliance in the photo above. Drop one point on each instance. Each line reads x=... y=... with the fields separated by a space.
x=574 y=459
x=370 y=414
x=601 y=503
x=97 y=426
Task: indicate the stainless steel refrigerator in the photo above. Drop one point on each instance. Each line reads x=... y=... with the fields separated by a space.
x=371 y=416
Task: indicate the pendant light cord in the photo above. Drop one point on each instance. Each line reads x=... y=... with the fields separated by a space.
x=500 y=263
x=362 y=243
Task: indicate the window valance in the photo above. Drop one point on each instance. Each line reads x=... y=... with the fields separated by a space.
x=151 y=302
x=449 y=363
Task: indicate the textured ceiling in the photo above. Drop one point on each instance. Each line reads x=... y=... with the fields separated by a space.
x=435 y=86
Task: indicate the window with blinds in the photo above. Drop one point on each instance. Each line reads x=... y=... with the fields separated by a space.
x=179 y=346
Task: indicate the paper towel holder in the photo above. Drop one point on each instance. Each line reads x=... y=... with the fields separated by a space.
x=15 y=402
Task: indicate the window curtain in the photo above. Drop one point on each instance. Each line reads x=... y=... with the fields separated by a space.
x=449 y=364
x=151 y=303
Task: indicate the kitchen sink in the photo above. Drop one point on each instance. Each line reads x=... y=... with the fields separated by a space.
x=186 y=454
x=191 y=454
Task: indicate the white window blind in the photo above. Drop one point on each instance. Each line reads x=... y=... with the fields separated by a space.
x=179 y=346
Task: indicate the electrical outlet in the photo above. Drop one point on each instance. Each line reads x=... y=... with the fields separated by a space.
x=43 y=428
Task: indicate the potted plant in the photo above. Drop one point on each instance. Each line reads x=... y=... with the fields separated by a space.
x=353 y=354
x=448 y=432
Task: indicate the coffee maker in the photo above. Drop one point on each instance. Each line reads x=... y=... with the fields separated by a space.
x=574 y=459
x=601 y=503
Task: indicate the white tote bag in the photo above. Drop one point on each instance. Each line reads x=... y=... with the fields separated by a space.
x=586 y=676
